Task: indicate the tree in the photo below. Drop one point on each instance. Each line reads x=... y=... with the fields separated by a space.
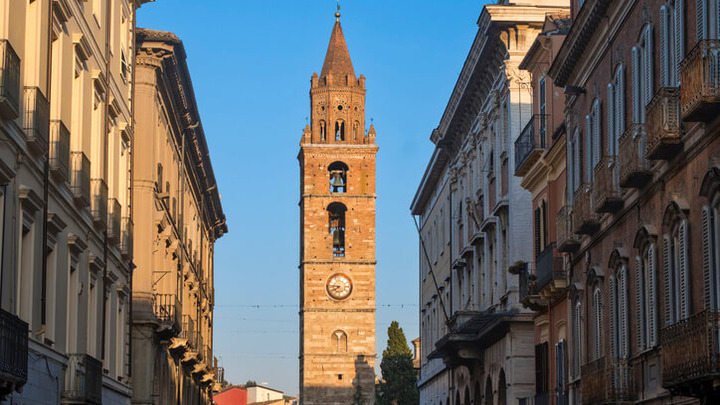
x=398 y=386
x=251 y=383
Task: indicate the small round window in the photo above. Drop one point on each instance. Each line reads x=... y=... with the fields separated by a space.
x=340 y=108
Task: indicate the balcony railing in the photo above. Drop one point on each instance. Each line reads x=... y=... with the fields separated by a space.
x=700 y=78
x=59 y=150
x=594 y=382
x=126 y=239
x=621 y=383
x=13 y=353
x=607 y=196
x=585 y=220
x=551 y=277
x=80 y=180
x=99 y=202
x=9 y=80
x=607 y=381
x=528 y=294
x=37 y=120
x=167 y=311
x=114 y=220
x=530 y=144
x=664 y=129
x=83 y=380
x=691 y=353
x=566 y=239
x=635 y=170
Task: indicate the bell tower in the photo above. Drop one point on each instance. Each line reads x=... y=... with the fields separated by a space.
x=337 y=236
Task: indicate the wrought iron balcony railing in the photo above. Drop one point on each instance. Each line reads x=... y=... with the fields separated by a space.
x=691 y=353
x=99 y=202
x=167 y=312
x=9 y=81
x=635 y=169
x=607 y=196
x=80 y=180
x=585 y=220
x=528 y=294
x=126 y=238
x=664 y=128
x=13 y=353
x=59 y=150
x=567 y=241
x=83 y=380
x=530 y=144
x=114 y=220
x=700 y=82
x=36 y=121
x=551 y=276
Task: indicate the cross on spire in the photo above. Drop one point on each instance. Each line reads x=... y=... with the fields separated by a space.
x=337 y=14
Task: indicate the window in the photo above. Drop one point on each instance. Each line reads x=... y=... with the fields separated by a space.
x=560 y=371
x=672 y=42
x=616 y=110
x=356 y=130
x=340 y=341
x=336 y=216
x=573 y=163
x=675 y=266
x=577 y=337
x=642 y=74
x=339 y=130
x=542 y=369
x=323 y=131
x=543 y=112
x=707 y=19
x=711 y=253
x=646 y=295
x=593 y=140
x=338 y=177
x=597 y=306
x=619 y=314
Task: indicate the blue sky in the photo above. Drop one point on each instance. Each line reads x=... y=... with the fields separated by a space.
x=251 y=62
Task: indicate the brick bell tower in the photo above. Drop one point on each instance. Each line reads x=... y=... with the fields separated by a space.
x=337 y=236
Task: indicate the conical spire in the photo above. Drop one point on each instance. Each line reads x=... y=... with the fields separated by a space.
x=337 y=59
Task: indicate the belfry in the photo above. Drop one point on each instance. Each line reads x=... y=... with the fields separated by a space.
x=337 y=236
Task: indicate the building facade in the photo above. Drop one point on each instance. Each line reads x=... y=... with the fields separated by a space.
x=641 y=246
x=540 y=160
x=337 y=236
x=178 y=217
x=66 y=135
x=477 y=338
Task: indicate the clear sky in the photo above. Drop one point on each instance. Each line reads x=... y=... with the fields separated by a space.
x=251 y=62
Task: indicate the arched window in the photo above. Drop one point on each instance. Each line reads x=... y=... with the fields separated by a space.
x=339 y=339
x=356 y=130
x=711 y=238
x=323 y=131
x=577 y=336
x=336 y=223
x=646 y=289
x=340 y=130
x=338 y=177
x=676 y=282
x=619 y=306
x=597 y=330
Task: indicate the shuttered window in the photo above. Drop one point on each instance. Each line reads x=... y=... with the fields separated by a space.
x=596 y=133
x=624 y=313
x=645 y=298
x=597 y=322
x=542 y=368
x=560 y=361
x=678 y=39
x=537 y=232
x=652 y=312
x=701 y=17
x=665 y=49
x=619 y=106
x=676 y=277
x=611 y=117
x=638 y=110
x=648 y=65
x=711 y=270
x=614 y=325
x=576 y=338
x=641 y=334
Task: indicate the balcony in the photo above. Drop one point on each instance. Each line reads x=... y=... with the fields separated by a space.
x=585 y=220
x=114 y=231
x=700 y=78
x=36 y=121
x=607 y=196
x=691 y=354
x=529 y=296
x=551 y=276
x=530 y=144
x=83 y=380
x=80 y=179
x=59 y=150
x=167 y=311
x=99 y=202
x=607 y=381
x=13 y=353
x=126 y=238
x=635 y=169
x=664 y=131
x=567 y=242
x=9 y=81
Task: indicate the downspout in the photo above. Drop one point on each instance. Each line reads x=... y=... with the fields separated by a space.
x=131 y=153
x=2 y=237
x=106 y=126
x=46 y=181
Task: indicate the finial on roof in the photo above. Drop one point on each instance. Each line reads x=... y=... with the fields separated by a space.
x=337 y=14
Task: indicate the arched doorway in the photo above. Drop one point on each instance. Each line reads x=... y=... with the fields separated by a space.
x=478 y=394
x=467 y=396
x=488 y=392
x=501 y=388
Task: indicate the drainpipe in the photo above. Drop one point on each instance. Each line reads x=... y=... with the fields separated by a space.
x=46 y=179
x=131 y=155
x=105 y=170
x=2 y=237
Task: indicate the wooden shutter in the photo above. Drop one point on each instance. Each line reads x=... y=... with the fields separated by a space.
x=614 y=326
x=707 y=255
x=679 y=13
x=611 y=117
x=649 y=66
x=597 y=132
x=683 y=276
x=624 y=313
x=635 y=71
x=560 y=371
x=640 y=307
x=664 y=46
x=597 y=313
x=537 y=232
x=577 y=338
x=577 y=166
x=651 y=278
x=588 y=149
x=667 y=283
x=700 y=20
x=619 y=106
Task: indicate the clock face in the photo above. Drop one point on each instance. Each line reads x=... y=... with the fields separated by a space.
x=339 y=286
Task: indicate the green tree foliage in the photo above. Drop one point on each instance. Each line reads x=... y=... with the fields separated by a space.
x=399 y=377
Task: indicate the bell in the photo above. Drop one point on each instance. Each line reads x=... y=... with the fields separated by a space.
x=337 y=181
x=338 y=238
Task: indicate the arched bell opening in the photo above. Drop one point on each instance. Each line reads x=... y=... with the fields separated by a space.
x=336 y=222
x=338 y=177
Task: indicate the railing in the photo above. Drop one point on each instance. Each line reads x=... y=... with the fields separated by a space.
x=594 y=382
x=663 y=124
x=59 y=149
x=13 y=352
x=114 y=220
x=621 y=385
x=192 y=334
x=167 y=309
x=126 y=240
x=83 y=380
x=37 y=119
x=549 y=267
x=690 y=350
x=606 y=190
x=9 y=80
x=700 y=78
x=566 y=239
x=530 y=144
x=99 y=202
x=80 y=181
x=207 y=355
x=635 y=170
x=607 y=381
x=584 y=219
